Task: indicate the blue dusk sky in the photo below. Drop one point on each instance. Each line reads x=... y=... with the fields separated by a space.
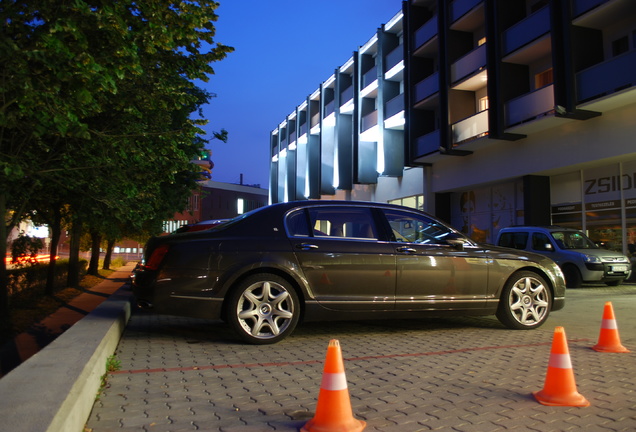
x=284 y=49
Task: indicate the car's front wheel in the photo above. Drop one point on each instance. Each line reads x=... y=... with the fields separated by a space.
x=525 y=301
x=263 y=309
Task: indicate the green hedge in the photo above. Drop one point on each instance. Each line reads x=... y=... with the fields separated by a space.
x=33 y=277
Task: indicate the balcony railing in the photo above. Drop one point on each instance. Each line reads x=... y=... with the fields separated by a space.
x=530 y=105
x=473 y=127
x=394 y=57
x=394 y=106
x=524 y=32
x=425 y=33
x=470 y=63
x=315 y=119
x=369 y=120
x=346 y=95
x=369 y=76
x=427 y=144
x=579 y=7
x=607 y=77
x=329 y=108
x=460 y=7
x=427 y=87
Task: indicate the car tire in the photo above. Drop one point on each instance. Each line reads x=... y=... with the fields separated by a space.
x=526 y=301
x=572 y=276
x=263 y=309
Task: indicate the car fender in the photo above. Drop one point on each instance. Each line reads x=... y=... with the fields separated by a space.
x=260 y=262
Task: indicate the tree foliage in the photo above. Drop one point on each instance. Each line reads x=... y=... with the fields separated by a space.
x=99 y=113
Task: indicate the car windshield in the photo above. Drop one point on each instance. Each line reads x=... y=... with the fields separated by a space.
x=573 y=240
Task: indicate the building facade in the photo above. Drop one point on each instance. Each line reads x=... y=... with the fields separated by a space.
x=485 y=113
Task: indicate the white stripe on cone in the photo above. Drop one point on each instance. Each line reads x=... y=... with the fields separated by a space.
x=560 y=361
x=333 y=381
x=609 y=324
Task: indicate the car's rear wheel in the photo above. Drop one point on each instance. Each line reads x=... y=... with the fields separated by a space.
x=263 y=309
x=525 y=302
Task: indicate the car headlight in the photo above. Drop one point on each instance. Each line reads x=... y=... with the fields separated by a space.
x=592 y=259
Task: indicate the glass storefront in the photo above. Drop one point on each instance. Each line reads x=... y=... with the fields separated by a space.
x=601 y=201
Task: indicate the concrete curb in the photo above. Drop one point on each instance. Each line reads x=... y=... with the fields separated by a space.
x=56 y=388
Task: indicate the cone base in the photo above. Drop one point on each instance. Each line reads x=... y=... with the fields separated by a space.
x=352 y=425
x=610 y=349
x=574 y=399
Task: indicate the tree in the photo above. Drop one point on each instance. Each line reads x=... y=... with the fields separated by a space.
x=91 y=88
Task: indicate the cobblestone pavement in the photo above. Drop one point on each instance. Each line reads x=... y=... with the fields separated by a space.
x=454 y=374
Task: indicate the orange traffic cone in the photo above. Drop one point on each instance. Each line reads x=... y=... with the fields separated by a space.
x=559 y=388
x=333 y=410
x=608 y=340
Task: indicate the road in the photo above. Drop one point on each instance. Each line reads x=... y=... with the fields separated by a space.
x=459 y=374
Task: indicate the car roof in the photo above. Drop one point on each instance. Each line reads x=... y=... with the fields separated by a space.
x=538 y=228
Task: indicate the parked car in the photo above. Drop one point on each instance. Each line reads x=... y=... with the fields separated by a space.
x=580 y=259
x=266 y=270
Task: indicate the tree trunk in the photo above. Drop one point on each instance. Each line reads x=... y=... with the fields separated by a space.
x=96 y=241
x=109 y=254
x=73 y=279
x=4 y=276
x=56 y=232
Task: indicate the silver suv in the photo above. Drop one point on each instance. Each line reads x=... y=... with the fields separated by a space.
x=579 y=258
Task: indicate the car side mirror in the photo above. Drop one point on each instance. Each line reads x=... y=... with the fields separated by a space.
x=456 y=244
x=548 y=247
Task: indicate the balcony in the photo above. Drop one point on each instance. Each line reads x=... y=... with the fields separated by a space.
x=394 y=106
x=459 y=8
x=530 y=106
x=579 y=7
x=394 y=57
x=315 y=119
x=473 y=127
x=369 y=120
x=329 y=108
x=302 y=129
x=427 y=144
x=607 y=77
x=427 y=87
x=527 y=30
x=369 y=76
x=346 y=95
x=469 y=64
x=425 y=33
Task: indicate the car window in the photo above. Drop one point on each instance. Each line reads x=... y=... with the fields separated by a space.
x=297 y=224
x=342 y=222
x=541 y=242
x=573 y=240
x=515 y=240
x=413 y=228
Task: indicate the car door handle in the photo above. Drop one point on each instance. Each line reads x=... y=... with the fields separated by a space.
x=406 y=249
x=306 y=246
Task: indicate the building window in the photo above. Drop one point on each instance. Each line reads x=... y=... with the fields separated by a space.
x=483 y=103
x=415 y=202
x=240 y=206
x=481 y=41
x=543 y=79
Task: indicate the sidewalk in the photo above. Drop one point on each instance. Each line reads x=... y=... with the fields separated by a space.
x=54 y=389
x=25 y=345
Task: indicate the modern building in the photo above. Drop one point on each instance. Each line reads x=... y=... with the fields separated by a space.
x=485 y=113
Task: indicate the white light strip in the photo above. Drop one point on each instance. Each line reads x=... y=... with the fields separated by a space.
x=369 y=89
x=364 y=48
x=394 y=121
x=394 y=70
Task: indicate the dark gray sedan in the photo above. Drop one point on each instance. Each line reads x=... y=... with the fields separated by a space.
x=266 y=270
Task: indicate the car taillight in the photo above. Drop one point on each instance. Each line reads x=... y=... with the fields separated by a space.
x=157 y=256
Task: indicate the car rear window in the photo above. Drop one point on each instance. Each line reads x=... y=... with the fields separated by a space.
x=515 y=240
x=332 y=222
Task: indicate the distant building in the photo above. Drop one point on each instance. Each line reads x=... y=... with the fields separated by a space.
x=486 y=113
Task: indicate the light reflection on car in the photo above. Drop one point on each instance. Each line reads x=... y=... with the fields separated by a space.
x=267 y=270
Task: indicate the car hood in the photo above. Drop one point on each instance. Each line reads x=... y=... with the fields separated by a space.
x=598 y=253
